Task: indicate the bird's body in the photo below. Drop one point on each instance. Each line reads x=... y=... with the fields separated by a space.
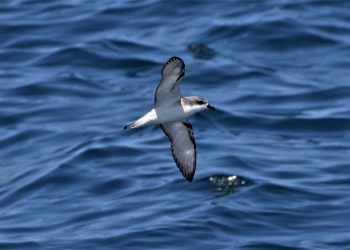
x=171 y=111
x=166 y=113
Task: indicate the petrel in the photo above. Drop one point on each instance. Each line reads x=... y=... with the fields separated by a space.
x=171 y=111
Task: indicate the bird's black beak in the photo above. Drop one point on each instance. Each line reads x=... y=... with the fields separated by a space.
x=211 y=107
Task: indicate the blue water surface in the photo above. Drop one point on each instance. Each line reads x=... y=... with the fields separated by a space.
x=273 y=162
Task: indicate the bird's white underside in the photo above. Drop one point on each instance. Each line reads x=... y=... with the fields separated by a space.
x=167 y=113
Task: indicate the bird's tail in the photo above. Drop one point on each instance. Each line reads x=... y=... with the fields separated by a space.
x=144 y=120
x=131 y=125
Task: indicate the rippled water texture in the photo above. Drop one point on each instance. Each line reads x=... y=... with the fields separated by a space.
x=273 y=167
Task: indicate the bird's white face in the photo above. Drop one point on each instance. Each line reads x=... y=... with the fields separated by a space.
x=197 y=104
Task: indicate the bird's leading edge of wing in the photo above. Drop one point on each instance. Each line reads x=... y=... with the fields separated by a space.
x=168 y=89
x=183 y=146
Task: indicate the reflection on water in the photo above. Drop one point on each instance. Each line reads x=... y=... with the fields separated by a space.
x=226 y=185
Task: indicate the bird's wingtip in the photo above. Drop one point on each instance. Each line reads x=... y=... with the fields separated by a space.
x=189 y=178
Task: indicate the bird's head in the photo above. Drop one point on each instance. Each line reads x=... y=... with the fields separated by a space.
x=200 y=103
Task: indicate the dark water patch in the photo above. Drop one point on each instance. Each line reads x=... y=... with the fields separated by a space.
x=232 y=160
x=288 y=119
x=256 y=73
x=270 y=246
x=125 y=7
x=88 y=57
x=10 y=28
x=67 y=85
x=340 y=169
x=313 y=125
x=222 y=31
x=258 y=30
x=251 y=122
x=33 y=89
x=294 y=41
x=73 y=78
x=9 y=120
x=15 y=57
x=17 y=245
x=75 y=56
x=338 y=31
x=96 y=154
x=123 y=45
x=201 y=51
x=287 y=196
x=108 y=187
x=324 y=95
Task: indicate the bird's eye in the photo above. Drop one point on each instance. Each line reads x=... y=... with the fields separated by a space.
x=200 y=102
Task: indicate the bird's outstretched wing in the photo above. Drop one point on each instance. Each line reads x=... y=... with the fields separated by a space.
x=168 y=89
x=183 y=146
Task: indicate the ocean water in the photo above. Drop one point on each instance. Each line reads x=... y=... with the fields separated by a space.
x=273 y=162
